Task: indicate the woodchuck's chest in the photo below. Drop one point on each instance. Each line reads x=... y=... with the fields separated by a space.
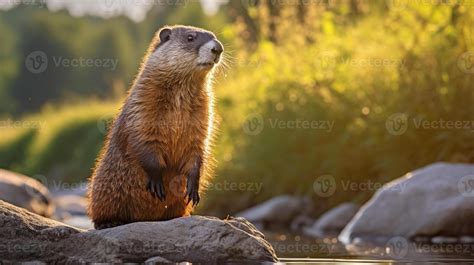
x=175 y=126
x=181 y=131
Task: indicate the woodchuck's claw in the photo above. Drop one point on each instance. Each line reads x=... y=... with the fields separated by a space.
x=192 y=192
x=157 y=189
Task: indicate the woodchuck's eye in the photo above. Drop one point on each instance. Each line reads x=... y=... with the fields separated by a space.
x=191 y=37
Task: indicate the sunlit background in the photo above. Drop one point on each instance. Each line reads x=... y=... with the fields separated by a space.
x=357 y=90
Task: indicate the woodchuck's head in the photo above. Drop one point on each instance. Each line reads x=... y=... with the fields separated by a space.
x=184 y=49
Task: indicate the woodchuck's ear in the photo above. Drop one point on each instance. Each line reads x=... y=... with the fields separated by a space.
x=165 y=35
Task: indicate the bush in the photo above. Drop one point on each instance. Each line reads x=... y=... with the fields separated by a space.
x=358 y=76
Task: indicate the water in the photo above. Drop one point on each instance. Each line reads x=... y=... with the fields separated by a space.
x=375 y=261
x=298 y=249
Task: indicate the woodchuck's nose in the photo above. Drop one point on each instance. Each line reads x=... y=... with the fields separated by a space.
x=217 y=49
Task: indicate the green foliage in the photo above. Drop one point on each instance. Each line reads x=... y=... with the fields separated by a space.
x=60 y=36
x=356 y=75
x=60 y=143
x=8 y=61
x=14 y=147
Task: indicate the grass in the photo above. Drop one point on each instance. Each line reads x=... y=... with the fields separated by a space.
x=60 y=142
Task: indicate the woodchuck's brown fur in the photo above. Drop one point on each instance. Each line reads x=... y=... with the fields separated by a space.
x=156 y=157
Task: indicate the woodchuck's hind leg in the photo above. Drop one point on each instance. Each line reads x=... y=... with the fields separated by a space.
x=105 y=225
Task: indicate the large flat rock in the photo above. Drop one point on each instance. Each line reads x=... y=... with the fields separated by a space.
x=437 y=200
x=25 y=236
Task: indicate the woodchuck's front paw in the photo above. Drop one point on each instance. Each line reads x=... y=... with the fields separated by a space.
x=156 y=188
x=192 y=191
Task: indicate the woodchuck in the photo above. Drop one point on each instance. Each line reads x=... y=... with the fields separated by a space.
x=156 y=158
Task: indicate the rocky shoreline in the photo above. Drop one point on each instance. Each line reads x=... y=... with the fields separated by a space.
x=431 y=206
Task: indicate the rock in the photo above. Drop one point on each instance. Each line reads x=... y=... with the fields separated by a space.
x=25 y=236
x=333 y=221
x=279 y=210
x=68 y=205
x=33 y=263
x=437 y=200
x=25 y=192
